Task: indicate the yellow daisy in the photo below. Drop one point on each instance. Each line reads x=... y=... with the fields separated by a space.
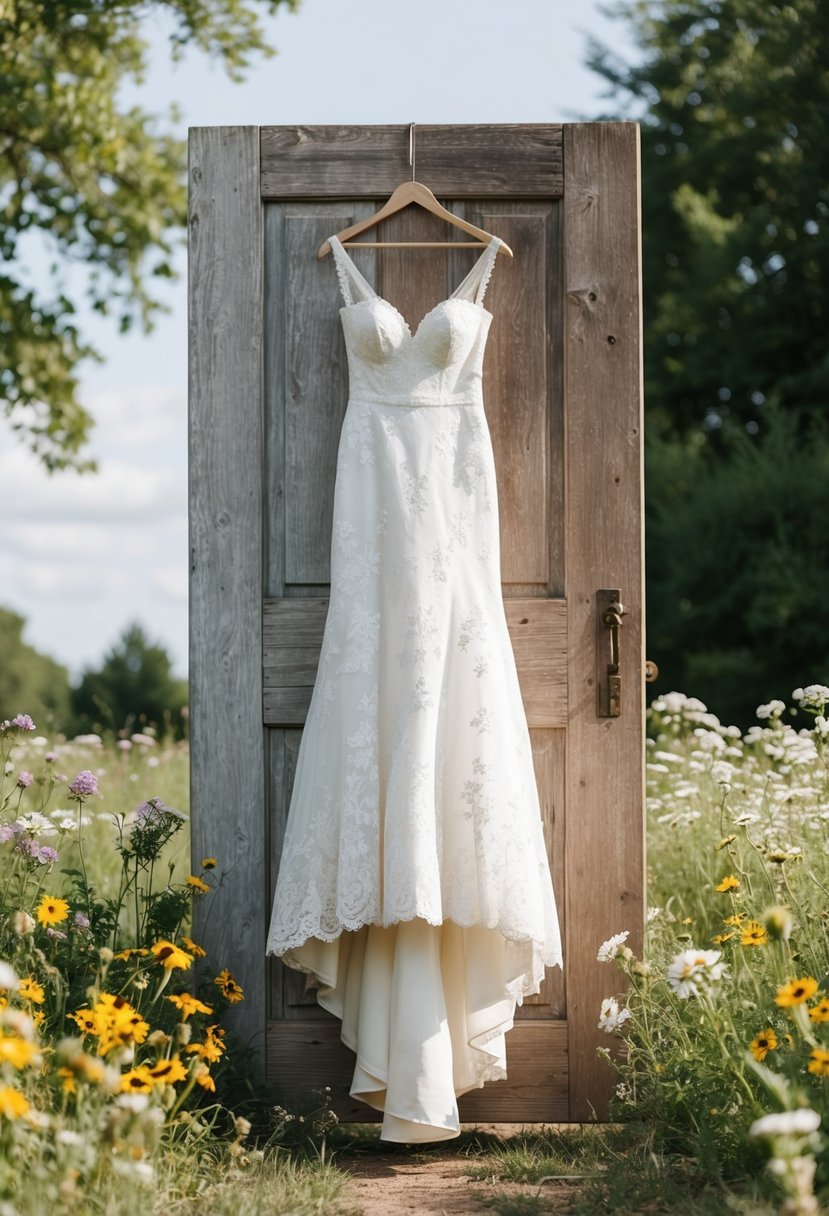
x=194 y=947
x=186 y=1004
x=170 y=955
x=51 y=910
x=13 y=1103
x=168 y=1070
x=209 y=863
x=197 y=883
x=229 y=987
x=819 y=1061
x=736 y=918
x=753 y=934
x=763 y=1043
x=68 y=1077
x=729 y=883
x=138 y=1080
x=17 y=1052
x=30 y=990
x=202 y=1075
x=722 y=937
x=796 y=991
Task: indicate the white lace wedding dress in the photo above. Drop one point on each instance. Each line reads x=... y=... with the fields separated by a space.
x=414 y=883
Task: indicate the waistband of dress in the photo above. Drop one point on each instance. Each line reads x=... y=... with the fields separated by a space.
x=415 y=402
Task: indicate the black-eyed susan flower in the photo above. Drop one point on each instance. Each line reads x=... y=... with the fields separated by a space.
x=137 y=1081
x=198 y=884
x=194 y=947
x=13 y=1103
x=84 y=1019
x=17 y=1052
x=820 y=1011
x=51 y=910
x=729 y=883
x=186 y=1004
x=819 y=1061
x=736 y=918
x=229 y=987
x=796 y=991
x=30 y=990
x=209 y=863
x=168 y=1071
x=171 y=956
x=127 y=954
x=752 y=933
x=763 y=1043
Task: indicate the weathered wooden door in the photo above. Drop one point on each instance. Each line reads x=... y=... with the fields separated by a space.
x=562 y=391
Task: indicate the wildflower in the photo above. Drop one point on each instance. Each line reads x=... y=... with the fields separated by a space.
x=124 y=745
x=209 y=863
x=736 y=919
x=212 y=1047
x=8 y=979
x=773 y=710
x=611 y=1017
x=819 y=1061
x=229 y=987
x=80 y=920
x=138 y=1080
x=753 y=934
x=815 y=696
x=85 y=783
x=763 y=1043
x=610 y=948
x=796 y=991
x=168 y=1071
x=203 y=1077
x=68 y=1077
x=197 y=883
x=722 y=937
x=786 y=1123
x=13 y=1103
x=692 y=970
x=51 y=910
x=186 y=1004
x=17 y=1052
x=729 y=883
x=30 y=990
x=23 y=923
x=126 y=955
x=24 y=779
x=171 y=955
x=820 y=1012
x=47 y=855
x=193 y=947
x=23 y=722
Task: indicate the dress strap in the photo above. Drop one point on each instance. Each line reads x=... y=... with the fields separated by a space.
x=352 y=283
x=478 y=277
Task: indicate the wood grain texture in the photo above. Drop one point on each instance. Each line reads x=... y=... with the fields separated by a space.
x=605 y=844
x=227 y=772
x=308 y=1055
x=466 y=161
x=292 y=630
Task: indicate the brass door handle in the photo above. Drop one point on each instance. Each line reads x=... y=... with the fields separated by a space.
x=609 y=613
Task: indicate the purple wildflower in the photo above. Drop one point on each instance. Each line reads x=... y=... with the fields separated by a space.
x=51 y=756
x=28 y=846
x=9 y=830
x=81 y=920
x=84 y=784
x=47 y=854
x=23 y=722
x=24 y=779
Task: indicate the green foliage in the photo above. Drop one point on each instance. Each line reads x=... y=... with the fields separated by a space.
x=737 y=575
x=733 y=101
x=101 y=182
x=30 y=678
x=133 y=687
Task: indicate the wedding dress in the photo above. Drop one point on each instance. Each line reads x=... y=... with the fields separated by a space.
x=414 y=884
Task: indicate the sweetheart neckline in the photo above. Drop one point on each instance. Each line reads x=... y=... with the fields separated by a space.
x=440 y=304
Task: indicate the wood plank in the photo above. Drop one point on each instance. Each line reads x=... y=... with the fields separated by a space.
x=292 y=634
x=369 y=161
x=227 y=746
x=604 y=548
x=306 y=1055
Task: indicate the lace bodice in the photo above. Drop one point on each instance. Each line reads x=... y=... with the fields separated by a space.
x=441 y=363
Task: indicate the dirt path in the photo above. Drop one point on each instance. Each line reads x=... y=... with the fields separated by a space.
x=434 y=1182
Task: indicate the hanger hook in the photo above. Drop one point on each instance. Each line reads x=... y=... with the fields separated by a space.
x=412 y=148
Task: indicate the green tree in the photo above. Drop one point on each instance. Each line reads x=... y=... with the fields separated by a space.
x=733 y=101
x=100 y=182
x=30 y=682
x=133 y=688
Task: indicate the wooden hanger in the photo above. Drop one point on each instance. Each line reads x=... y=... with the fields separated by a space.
x=414 y=192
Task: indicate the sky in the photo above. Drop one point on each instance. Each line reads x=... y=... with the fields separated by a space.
x=84 y=556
